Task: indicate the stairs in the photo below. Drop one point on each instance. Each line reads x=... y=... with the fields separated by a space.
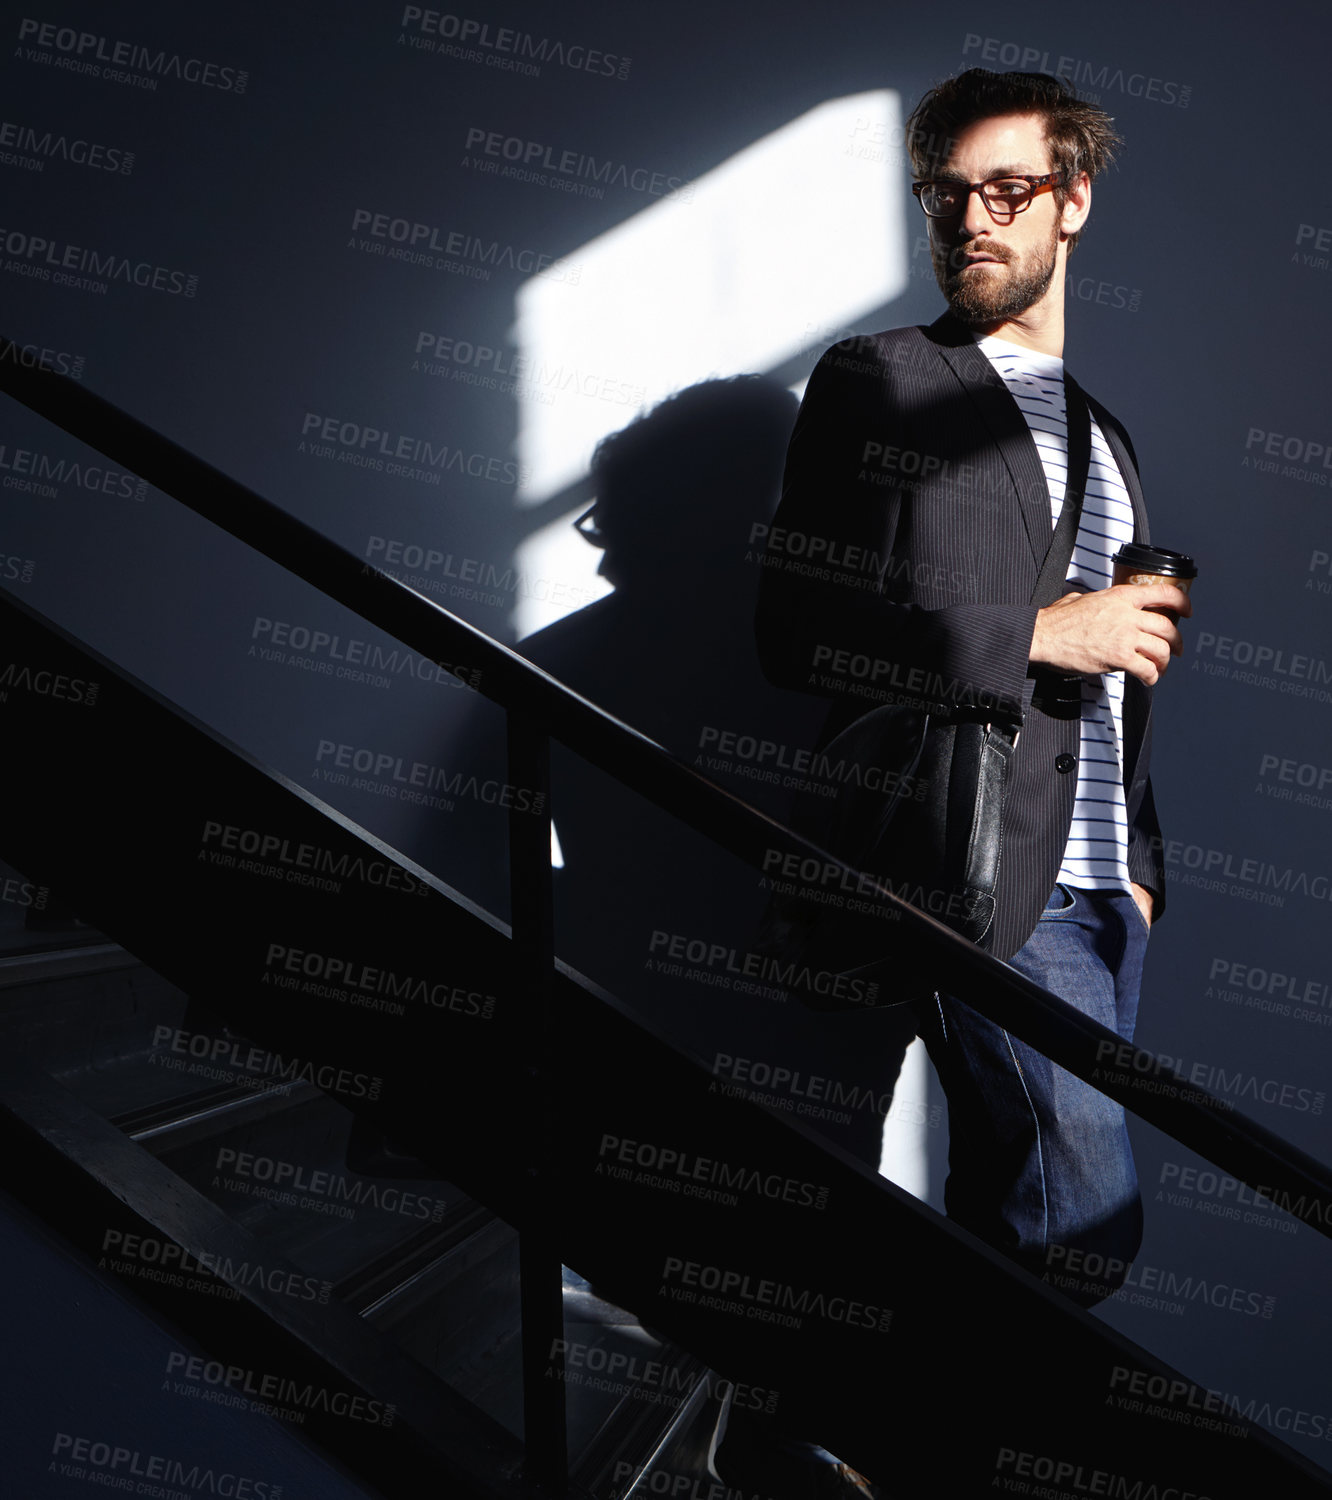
x=433 y=1272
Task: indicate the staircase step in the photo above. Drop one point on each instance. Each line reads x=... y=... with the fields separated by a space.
x=279 y=1168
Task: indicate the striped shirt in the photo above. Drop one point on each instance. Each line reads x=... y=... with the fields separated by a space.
x=1096 y=855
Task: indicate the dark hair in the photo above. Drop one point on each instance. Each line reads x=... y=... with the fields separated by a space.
x=1079 y=136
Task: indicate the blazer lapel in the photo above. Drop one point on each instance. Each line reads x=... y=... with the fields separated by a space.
x=1137 y=695
x=1006 y=423
x=1127 y=468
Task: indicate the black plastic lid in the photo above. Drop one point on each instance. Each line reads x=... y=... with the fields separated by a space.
x=1145 y=559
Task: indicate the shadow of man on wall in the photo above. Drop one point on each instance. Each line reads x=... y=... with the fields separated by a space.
x=684 y=496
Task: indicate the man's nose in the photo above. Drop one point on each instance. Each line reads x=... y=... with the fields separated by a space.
x=975 y=217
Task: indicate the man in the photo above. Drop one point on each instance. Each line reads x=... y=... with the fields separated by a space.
x=940 y=455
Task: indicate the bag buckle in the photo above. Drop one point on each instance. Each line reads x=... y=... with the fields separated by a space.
x=989 y=726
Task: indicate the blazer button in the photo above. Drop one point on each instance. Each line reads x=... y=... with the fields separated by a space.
x=1065 y=762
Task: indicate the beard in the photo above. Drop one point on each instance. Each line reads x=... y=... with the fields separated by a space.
x=978 y=297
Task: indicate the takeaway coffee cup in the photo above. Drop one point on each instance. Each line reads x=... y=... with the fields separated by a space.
x=1135 y=562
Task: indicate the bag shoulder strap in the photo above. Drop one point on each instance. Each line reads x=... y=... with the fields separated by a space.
x=1054 y=570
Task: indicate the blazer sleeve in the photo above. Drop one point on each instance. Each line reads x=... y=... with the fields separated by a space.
x=1146 y=849
x=827 y=621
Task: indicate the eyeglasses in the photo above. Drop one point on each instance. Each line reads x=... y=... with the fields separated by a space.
x=1004 y=196
x=586 y=526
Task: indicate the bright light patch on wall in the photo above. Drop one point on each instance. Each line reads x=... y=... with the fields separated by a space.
x=782 y=246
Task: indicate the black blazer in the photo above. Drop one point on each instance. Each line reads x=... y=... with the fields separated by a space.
x=900 y=565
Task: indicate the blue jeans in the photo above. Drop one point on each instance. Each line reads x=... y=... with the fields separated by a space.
x=1040 y=1162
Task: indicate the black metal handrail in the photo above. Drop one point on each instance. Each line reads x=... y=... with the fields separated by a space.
x=1131 y=1075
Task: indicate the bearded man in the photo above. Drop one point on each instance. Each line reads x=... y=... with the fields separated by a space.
x=933 y=463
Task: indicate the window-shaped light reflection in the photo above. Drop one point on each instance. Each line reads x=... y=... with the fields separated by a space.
x=782 y=246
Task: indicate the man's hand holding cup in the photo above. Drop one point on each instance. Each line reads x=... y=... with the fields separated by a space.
x=1131 y=626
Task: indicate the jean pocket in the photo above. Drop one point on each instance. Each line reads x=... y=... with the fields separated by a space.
x=1137 y=912
x=1060 y=903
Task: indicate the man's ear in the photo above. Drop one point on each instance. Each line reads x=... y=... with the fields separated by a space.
x=1077 y=205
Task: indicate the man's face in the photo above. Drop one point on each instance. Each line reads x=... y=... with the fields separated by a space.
x=992 y=270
